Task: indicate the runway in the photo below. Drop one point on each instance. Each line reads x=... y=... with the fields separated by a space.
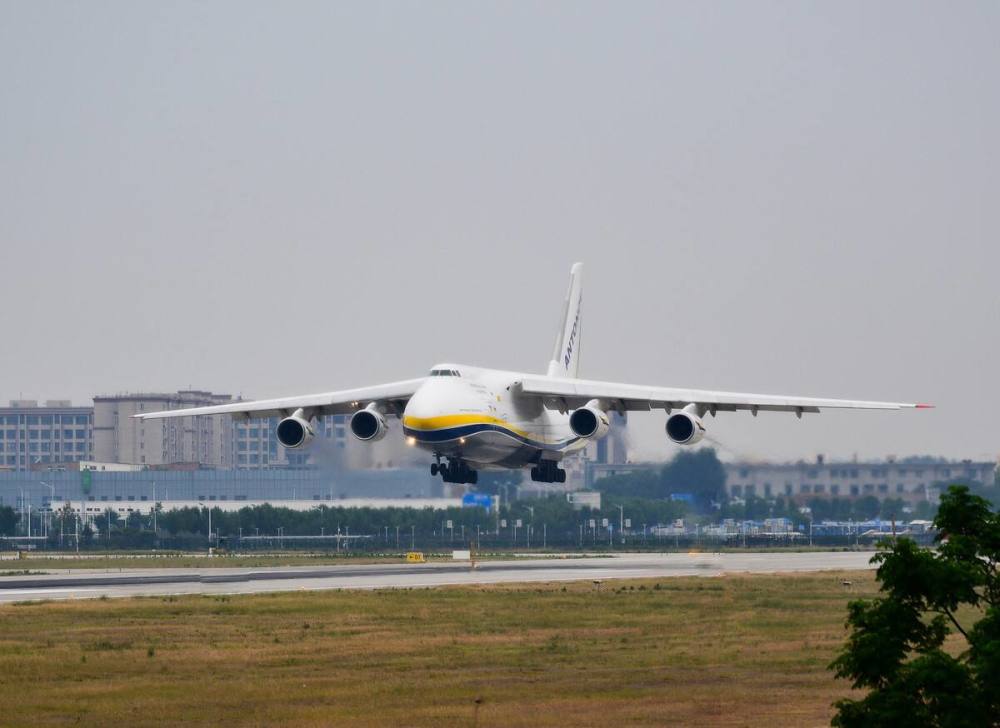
x=82 y=584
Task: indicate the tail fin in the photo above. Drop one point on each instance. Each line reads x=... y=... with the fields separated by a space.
x=566 y=355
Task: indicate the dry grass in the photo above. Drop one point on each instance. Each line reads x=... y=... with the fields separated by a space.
x=738 y=650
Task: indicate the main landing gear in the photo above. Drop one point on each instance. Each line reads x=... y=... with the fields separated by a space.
x=548 y=471
x=456 y=471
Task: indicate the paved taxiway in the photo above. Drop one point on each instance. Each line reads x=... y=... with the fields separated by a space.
x=81 y=584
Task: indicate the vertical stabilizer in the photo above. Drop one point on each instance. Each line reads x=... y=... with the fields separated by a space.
x=566 y=355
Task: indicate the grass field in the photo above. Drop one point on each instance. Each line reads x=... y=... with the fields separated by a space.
x=737 y=650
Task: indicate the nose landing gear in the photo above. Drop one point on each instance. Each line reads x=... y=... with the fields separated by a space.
x=548 y=471
x=455 y=471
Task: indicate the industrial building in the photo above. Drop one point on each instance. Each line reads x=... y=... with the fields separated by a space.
x=34 y=436
x=114 y=488
x=912 y=479
x=53 y=433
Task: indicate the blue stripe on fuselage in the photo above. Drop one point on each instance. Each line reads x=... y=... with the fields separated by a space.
x=447 y=434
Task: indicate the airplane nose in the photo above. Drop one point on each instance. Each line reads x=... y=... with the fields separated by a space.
x=424 y=404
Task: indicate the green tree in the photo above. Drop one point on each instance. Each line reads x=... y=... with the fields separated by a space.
x=697 y=472
x=8 y=520
x=896 y=646
x=638 y=484
x=866 y=507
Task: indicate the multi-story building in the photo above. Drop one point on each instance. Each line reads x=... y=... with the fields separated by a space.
x=42 y=436
x=119 y=438
x=225 y=442
x=912 y=480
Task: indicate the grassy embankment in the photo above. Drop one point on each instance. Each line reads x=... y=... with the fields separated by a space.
x=738 y=650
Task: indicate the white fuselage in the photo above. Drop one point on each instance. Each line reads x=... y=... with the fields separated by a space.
x=476 y=415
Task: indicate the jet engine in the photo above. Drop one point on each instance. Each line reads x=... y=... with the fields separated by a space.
x=295 y=431
x=590 y=422
x=368 y=424
x=685 y=427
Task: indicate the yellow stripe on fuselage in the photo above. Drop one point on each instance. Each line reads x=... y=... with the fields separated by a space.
x=442 y=422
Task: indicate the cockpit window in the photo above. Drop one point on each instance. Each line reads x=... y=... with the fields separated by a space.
x=445 y=373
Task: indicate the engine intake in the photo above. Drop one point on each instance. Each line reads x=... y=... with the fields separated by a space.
x=685 y=428
x=589 y=422
x=368 y=424
x=295 y=431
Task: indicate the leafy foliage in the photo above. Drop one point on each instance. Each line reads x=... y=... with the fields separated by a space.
x=896 y=649
x=695 y=472
x=8 y=521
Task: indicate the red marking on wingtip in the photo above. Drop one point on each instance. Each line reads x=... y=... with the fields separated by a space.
x=925 y=406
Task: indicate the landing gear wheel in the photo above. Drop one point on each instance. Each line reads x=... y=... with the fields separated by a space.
x=434 y=469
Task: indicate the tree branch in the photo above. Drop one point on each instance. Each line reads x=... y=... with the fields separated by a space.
x=947 y=612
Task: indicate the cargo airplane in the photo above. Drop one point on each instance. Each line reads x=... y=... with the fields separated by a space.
x=470 y=418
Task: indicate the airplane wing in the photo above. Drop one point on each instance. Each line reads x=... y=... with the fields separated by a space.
x=568 y=394
x=394 y=395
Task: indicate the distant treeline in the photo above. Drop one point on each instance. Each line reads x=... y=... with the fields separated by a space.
x=552 y=519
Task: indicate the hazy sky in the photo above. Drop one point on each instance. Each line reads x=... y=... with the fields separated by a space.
x=283 y=198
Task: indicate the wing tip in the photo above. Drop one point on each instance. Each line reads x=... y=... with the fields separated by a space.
x=924 y=405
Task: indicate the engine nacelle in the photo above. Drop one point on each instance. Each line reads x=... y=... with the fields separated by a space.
x=589 y=422
x=295 y=431
x=368 y=424
x=685 y=428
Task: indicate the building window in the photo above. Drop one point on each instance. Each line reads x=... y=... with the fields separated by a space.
x=834 y=489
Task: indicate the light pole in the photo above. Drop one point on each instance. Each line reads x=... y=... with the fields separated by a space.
x=52 y=496
x=531 y=524
x=621 y=522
